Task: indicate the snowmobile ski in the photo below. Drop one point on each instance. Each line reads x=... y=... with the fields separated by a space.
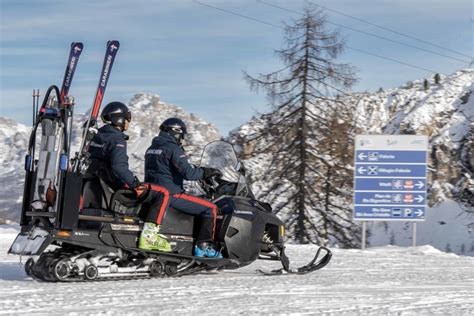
x=80 y=163
x=315 y=264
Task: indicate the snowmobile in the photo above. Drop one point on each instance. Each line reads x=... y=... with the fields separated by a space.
x=78 y=229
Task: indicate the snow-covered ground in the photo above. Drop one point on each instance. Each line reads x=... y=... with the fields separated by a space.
x=445 y=228
x=378 y=281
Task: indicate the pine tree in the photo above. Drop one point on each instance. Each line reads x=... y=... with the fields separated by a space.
x=437 y=78
x=308 y=135
x=426 y=85
x=392 y=238
x=448 y=248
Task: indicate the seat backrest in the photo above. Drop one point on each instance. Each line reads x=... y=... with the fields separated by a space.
x=92 y=194
x=107 y=192
x=125 y=202
x=96 y=193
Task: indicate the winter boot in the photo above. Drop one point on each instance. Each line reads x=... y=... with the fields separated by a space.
x=150 y=239
x=206 y=249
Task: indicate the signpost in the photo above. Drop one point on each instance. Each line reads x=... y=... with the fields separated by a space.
x=390 y=179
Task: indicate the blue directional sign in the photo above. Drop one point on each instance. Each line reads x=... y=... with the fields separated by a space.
x=377 y=170
x=395 y=184
x=390 y=177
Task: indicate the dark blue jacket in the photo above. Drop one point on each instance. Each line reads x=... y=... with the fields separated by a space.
x=167 y=165
x=109 y=159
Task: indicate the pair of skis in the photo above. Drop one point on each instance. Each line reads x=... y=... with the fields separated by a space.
x=74 y=54
x=80 y=161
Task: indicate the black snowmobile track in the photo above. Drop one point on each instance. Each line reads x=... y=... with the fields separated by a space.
x=112 y=277
x=42 y=270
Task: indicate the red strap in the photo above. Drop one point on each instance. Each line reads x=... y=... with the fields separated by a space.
x=80 y=202
x=164 y=205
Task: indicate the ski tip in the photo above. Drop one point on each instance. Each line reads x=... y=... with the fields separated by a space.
x=113 y=42
x=77 y=47
x=113 y=46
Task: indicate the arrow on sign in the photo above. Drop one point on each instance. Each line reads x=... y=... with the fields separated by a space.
x=419 y=184
x=419 y=198
x=419 y=212
x=361 y=170
x=362 y=156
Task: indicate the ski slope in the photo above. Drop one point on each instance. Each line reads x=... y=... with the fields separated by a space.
x=377 y=281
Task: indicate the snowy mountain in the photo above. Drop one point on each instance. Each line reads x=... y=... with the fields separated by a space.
x=147 y=114
x=13 y=147
x=445 y=112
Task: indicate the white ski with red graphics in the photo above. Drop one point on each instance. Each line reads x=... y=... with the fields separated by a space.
x=74 y=54
x=80 y=163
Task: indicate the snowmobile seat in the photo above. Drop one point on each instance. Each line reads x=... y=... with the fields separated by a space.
x=107 y=193
x=177 y=223
x=125 y=202
x=98 y=195
x=94 y=202
x=93 y=195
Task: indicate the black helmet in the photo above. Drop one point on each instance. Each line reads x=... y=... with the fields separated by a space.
x=175 y=127
x=115 y=113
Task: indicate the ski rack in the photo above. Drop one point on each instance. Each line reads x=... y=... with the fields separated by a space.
x=55 y=117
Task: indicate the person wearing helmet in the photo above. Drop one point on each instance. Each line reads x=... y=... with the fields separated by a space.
x=109 y=162
x=167 y=165
x=108 y=148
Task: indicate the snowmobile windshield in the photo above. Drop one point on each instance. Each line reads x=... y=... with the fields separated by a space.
x=221 y=155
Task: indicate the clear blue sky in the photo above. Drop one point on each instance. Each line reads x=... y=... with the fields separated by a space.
x=193 y=56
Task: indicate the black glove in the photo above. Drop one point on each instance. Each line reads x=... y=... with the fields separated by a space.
x=135 y=183
x=210 y=172
x=142 y=189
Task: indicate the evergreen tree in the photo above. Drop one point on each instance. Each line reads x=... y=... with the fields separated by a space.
x=437 y=78
x=448 y=248
x=426 y=85
x=308 y=137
